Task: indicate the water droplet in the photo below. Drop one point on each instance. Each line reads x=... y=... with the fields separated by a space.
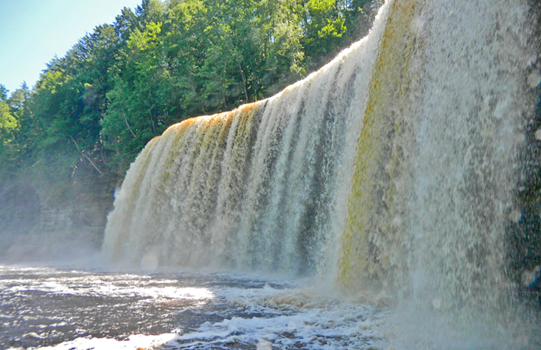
x=515 y=216
x=417 y=25
x=527 y=278
x=397 y=222
x=534 y=79
x=436 y=303
x=538 y=134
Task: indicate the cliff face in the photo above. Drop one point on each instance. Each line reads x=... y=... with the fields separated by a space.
x=42 y=220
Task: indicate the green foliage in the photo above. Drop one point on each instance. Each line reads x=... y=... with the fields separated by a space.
x=126 y=82
x=10 y=110
x=8 y=122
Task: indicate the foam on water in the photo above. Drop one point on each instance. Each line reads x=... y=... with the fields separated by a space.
x=202 y=311
x=58 y=308
x=133 y=342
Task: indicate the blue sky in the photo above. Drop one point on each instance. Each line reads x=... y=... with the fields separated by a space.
x=32 y=32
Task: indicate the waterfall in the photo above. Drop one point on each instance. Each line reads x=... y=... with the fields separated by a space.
x=436 y=163
x=393 y=167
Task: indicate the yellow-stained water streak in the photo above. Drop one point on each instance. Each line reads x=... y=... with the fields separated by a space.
x=370 y=245
x=237 y=162
x=177 y=172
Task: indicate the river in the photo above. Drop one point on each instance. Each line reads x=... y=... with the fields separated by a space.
x=64 y=307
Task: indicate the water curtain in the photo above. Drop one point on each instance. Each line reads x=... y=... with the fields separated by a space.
x=393 y=167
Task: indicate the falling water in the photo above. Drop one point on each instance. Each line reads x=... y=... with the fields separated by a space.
x=437 y=162
x=393 y=168
x=261 y=187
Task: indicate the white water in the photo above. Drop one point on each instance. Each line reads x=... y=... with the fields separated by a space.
x=103 y=310
x=469 y=119
x=419 y=212
x=268 y=186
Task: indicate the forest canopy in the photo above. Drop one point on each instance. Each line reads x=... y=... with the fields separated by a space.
x=93 y=110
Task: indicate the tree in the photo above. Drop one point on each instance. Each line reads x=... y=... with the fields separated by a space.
x=8 y=122
x=10 y=111
x=123 y=84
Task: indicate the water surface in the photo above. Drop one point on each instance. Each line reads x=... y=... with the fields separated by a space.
x=64 y=308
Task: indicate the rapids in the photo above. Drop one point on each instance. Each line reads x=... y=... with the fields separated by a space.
x=67 y=308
